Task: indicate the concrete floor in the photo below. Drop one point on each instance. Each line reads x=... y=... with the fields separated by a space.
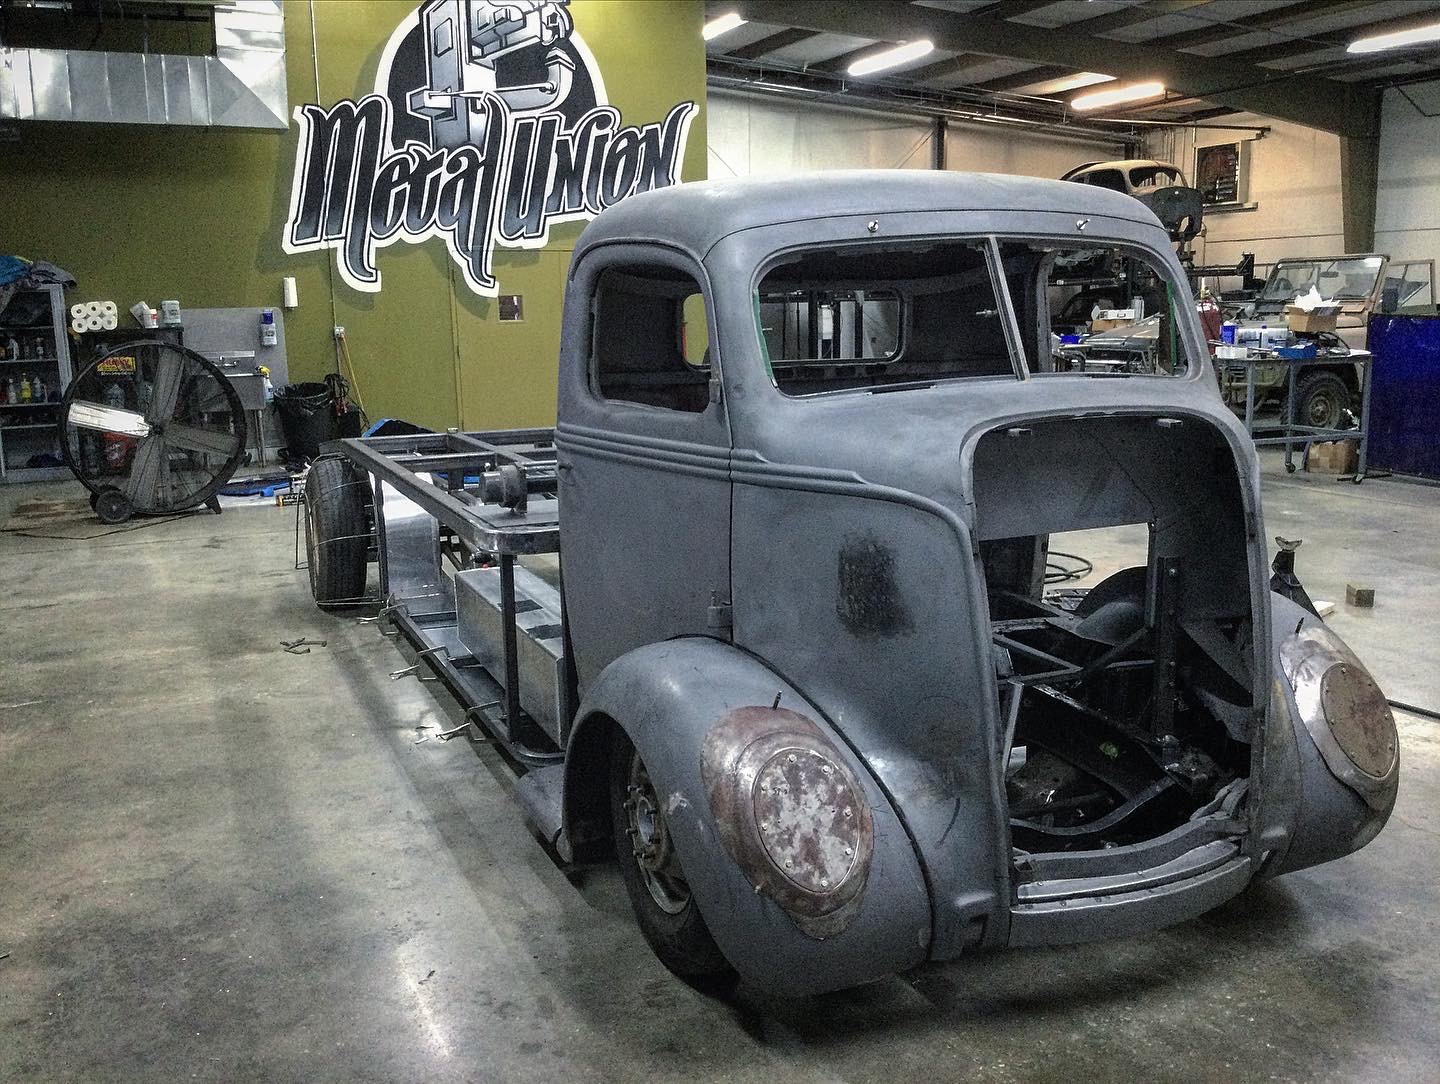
x=219 y=861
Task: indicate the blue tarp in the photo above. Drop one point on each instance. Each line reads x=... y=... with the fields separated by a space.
x=1405 y=395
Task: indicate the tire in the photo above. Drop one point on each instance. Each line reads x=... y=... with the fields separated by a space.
x=337 y=531
x=664 y=908
x=1321 y=400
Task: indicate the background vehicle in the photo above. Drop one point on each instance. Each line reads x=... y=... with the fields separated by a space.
x=797 y=667
x=1363 y=284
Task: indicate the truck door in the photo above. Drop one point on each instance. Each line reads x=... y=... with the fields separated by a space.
x=644 y=457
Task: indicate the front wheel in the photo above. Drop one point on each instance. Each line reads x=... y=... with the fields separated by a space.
x=664 y=906
x=1321 y=400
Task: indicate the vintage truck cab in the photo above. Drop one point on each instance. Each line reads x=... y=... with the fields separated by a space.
x=798 y=666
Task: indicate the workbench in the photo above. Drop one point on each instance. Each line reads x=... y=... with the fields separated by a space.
x=1289 y=433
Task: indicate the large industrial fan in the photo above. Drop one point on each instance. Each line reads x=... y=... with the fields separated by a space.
x=151 y=427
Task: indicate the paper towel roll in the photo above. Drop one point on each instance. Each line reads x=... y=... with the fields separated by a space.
x=77 y=323
x=108 y=322
x=77 y=311
x=94 y=323
x=108 y=309
x=92 y=308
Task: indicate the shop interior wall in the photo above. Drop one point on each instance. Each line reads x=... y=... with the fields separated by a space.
x=1407 y=212
x=196 y=214
x=1294 y=184
x=755 y=135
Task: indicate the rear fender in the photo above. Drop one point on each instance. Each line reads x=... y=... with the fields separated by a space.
x=751 y=776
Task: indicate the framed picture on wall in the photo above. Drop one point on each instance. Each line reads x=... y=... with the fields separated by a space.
x=1222 y=174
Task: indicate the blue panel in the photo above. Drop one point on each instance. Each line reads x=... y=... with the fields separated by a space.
x=1405 y=395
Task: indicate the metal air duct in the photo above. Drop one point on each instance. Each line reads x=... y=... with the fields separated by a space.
x=241 y=86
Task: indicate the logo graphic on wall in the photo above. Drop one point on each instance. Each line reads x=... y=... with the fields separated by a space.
x=488 y=124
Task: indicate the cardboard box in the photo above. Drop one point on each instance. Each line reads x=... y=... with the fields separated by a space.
x=1333 y=457
x=1325 y=318
x=1100 y=324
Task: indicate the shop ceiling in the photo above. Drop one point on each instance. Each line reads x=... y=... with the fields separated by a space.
x=1024 y=60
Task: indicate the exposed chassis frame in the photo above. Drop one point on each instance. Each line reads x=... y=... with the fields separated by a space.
x=448 y=476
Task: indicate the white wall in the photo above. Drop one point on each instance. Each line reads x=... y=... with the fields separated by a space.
x=1407 y=213
x=992 y=149
x=1294 y=183
x=751 y=135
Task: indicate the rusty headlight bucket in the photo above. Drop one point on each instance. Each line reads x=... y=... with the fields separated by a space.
x=791 y=814
x=1344 y=711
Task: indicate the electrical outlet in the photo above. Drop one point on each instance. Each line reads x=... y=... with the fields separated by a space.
x=339 y=331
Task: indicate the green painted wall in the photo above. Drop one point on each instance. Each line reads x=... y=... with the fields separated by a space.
x=143 y=212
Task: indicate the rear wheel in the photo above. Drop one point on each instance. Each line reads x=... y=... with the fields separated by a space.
x=337 y=531
x=660 y=895
x=1321 y=400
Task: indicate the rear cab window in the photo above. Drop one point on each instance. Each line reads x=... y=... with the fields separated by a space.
x=894 y=316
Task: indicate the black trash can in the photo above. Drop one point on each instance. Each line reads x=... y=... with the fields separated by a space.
x=307 y=418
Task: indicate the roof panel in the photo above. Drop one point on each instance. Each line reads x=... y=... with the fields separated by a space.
x=953 y=5
x=1327 y=24
x=815 y=49
x=981 y=70
x=1067 y=11
x=742 y=35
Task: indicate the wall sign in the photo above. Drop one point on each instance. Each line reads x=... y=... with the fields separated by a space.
x=488 y=124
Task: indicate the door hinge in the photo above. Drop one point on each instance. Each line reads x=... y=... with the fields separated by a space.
x=720 y=614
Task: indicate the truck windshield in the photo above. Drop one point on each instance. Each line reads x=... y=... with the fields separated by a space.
x=1350 y=278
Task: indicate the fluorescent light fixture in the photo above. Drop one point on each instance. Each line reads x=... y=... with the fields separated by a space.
x=1398 y=39
x=1135 y=92
x=891 y=58
x=722 y=24
x=1069 y=82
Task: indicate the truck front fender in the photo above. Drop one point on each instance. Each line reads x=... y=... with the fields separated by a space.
x=804 y=874
x=1332 y=768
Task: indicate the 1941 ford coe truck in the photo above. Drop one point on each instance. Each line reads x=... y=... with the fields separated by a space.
x=796 y=664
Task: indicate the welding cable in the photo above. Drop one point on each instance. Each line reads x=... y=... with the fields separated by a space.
x=1426 y=713
x=1055 y=572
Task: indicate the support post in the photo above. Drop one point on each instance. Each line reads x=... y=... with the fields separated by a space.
x=1359 y=179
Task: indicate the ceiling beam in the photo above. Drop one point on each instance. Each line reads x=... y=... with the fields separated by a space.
x=1331 y=106
x=1206 y=31
x=770 y=44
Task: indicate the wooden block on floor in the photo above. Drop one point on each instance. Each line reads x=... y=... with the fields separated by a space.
x=1359 y=596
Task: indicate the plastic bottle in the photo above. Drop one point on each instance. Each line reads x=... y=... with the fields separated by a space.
x=37 y=388
x=12 y=349
x=25 y=389
x=1227 y=332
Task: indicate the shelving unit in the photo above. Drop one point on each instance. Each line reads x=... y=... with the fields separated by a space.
x=36 y=321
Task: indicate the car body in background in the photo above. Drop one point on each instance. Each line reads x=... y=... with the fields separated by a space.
x=1159 y=185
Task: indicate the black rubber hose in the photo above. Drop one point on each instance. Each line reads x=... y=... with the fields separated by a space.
x=1428 y=713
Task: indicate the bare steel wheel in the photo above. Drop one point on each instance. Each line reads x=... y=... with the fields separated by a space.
x=1321 y=400
x=665 y=908
x=650 y=842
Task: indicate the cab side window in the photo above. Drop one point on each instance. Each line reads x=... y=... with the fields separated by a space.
x=650 y=339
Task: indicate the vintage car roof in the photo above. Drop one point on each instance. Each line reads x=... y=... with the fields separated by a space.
x=1126 y=164
x=697 y=215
